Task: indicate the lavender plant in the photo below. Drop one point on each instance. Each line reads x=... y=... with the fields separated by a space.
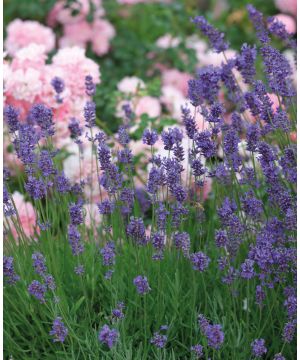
x=221 y=273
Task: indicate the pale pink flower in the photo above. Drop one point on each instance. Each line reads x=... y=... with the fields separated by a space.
x=102 y=33
x=78 y=33
x=167 y=41
x=173 y=99
x=26 y=215
x=32 y=56
x=288 y=21
x=287 y=6
x=92 y=218
x=63 y=14
x=130 y=84
x=76 y=66
x=23 y=33
x=177 y=79
x=148 y=105
x=24 y=84
x=293 y=136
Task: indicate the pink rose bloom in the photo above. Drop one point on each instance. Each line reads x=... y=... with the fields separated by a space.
x=102 y=33
x=148 y=105
x=23 y=33
x=63 y=14
x=24 y=84
x=167 y=41
x=26 y=214
x=32 y=56
x=173 y=99
x=293 y=136
x=130 y=85
x=288 y=21
x=287 y=6
x=92 y=218
x=177 y=79
x=76 y=66
x=78 y=33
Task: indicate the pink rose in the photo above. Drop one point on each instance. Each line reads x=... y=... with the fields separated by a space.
x=148 y=105
x=167 y=41
x=287 y=6
x=26 y=215
x=177 y=79
x=130 y=85
x=78 y=33
x=75 y=67
x=63 y=14
x=23 y=33
x=102 y=33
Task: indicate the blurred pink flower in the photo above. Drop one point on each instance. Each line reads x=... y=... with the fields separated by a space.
x=27 y=80
x=26 y=214
x=23 y=33
x=177 y=79
x=173 y=99
x=63 y=12
x=287 y=6
x=288 y=21
x=78 y=33
x=167 y=41
x=102 y=33
x=75 y=67
x=130 y=84
x=148 y=105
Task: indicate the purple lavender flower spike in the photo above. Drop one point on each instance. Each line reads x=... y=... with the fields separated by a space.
x=246 y=63
x=37 y=290
x=58 y=85
x=123 y=136
x=159 y=340
x=182 y=241
x=279 y=356
x=75 y=129
x=136 y=230
x=150 y=137
x=39 y=263
x=90 y=87
x=59 y=330
x=200 y=261
x=108 y=336
x=79 y=270
x=90 y=114
x=118 y=312
x=142 y=285
x=215 y=37
x=197 y=351
x=36 y=188
x=108 y=254
x=76 y=215
x=257 y=20
x=74 y=240
x=289 y=331
x=247 y=270
x=258 y=347
x=221 y=238
x=41 y=115
x=8 y=270
x=11 y=117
